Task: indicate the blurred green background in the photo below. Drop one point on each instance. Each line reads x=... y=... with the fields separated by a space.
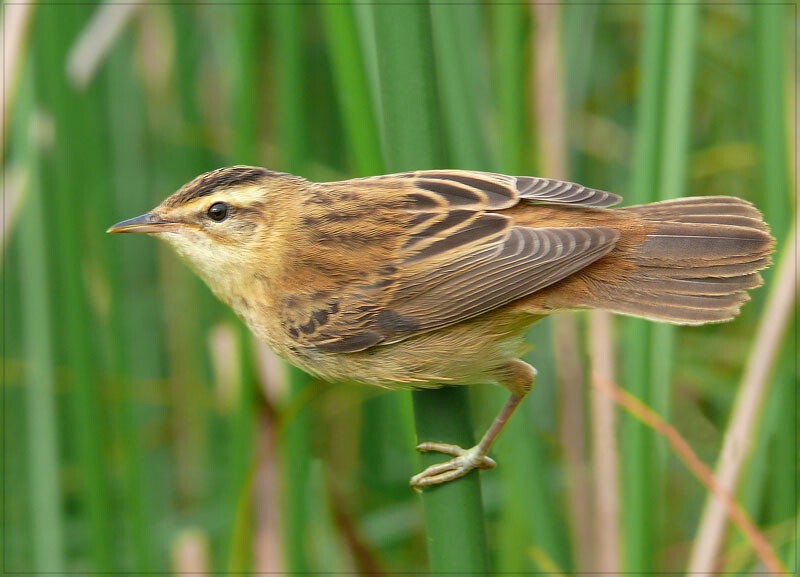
x=145 y=431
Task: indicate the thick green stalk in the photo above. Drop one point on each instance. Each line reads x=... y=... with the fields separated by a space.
x=779 y=422
x=677 y=111
x=65 y=180
x=453 y=512
x=37 y=337
x=770 y=85
x=408 y=87
x=290 y=84
x=509 y=76
x=365 y=27
x=245 y=90
x=676 y=135
x=462 y=70
x=639 y=462
x=352 y=88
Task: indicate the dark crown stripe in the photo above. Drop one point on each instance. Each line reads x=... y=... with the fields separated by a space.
x=209 y=182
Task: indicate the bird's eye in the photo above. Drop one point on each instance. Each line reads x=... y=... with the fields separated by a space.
x=219 y=211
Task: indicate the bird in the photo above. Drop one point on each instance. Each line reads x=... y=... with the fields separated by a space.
x=431 y=278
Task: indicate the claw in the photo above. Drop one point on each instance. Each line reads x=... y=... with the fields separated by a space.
x=463 y=461
x=519 y=379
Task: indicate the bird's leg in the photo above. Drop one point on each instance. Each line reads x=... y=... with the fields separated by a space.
x=517 y=378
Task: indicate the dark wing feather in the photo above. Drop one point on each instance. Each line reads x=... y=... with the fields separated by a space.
x=525 y=261
x=562 y=192
x=460 y=260
x=468 y=189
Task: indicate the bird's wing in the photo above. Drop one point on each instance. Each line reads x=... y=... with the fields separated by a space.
x=459 y=259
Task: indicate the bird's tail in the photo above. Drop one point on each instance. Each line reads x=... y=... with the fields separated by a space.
x=700 y=256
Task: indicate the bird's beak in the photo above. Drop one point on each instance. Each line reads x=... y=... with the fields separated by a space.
x=149 y=222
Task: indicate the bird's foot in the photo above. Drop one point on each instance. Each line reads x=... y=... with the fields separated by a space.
x=463 y=461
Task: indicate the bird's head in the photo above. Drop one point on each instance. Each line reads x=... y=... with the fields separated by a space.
x=223 y=222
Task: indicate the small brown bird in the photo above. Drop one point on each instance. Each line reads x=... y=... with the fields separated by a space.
x=430 y=278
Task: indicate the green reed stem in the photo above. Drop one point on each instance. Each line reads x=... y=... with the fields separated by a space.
x=37 y=338
x=639 y=460
x=453 y=512
x=65 y=180
x=352 y=88
x=676 y=134
x=462 y=68
x=510 y=79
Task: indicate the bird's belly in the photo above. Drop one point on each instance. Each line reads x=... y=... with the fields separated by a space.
x=470 y=352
